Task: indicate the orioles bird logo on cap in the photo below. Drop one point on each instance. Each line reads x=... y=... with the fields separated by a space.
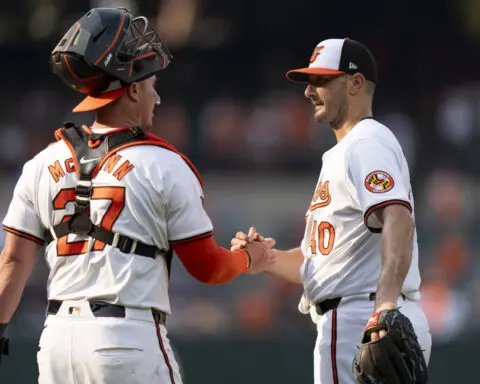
x=316 y=52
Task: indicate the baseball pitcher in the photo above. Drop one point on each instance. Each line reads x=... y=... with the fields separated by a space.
x=358 y=260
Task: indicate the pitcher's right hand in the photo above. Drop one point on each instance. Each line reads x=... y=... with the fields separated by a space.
x=258 y=247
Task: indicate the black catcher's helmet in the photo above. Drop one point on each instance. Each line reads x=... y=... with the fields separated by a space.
x=104 y=51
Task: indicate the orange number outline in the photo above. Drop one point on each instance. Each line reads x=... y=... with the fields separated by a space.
x=320 y=229
x=117 y=197
x=313 y=242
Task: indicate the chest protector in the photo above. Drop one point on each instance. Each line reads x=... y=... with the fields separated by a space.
x=90 y=151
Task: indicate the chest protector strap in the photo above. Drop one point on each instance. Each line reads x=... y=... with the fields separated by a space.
x=88 y=151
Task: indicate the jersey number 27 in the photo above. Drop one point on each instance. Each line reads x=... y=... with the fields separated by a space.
x=117 y=197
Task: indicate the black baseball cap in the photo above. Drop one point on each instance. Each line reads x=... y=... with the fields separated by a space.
x=337 y=57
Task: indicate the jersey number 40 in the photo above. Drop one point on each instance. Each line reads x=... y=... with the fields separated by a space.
x=326 y=237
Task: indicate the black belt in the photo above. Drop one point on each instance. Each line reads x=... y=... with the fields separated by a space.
x=103 y=309
x=324 y=306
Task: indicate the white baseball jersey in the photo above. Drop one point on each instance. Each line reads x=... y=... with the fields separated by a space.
x=366 y=170
x=147 y=193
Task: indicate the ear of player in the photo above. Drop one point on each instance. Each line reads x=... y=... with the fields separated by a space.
x=396 y=358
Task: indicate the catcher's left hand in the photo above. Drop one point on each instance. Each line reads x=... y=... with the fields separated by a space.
x=396 y=358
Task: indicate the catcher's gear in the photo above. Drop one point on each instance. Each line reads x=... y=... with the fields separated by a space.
x=107 y=49
x=3 y=347
x=96 y=148
x=396 y=358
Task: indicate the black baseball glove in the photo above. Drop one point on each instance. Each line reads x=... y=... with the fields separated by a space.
x=396 y=358
x=3 y=347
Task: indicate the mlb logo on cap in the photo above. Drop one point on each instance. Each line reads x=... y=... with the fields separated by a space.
x=337 y=57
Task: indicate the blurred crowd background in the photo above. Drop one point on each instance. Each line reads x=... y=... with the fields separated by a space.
x=227 y=105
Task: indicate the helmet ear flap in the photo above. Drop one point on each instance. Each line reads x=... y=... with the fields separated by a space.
x=78 y=73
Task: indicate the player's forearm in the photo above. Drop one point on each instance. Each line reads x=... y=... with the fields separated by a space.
x=13 y=277
x=287 y=265
x=397 y=236
x=209 y=263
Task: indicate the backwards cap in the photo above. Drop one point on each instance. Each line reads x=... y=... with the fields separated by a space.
x=106 y=50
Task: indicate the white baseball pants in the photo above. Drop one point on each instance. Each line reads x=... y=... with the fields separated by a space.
x=78 y=348
x=340 y=331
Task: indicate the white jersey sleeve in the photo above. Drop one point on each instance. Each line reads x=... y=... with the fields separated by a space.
x=375 y=173
x=185 y=214
x=22 y=218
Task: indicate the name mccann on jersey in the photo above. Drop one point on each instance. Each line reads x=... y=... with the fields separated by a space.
x=57 y=171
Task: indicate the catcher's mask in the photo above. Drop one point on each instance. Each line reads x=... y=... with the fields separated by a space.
x=106 y=50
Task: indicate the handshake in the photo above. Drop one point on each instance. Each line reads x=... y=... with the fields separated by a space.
x=260 y=249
